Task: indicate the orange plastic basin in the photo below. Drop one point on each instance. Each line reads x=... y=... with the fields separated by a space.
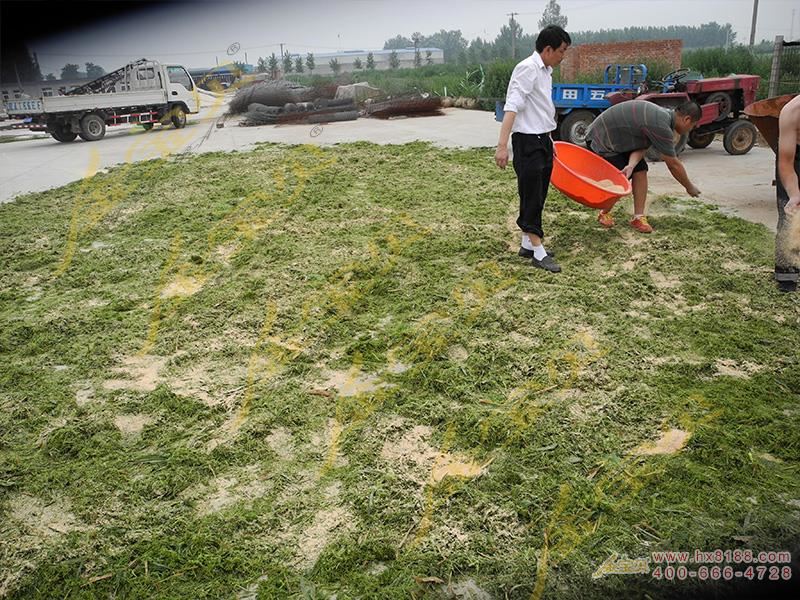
x=572 y=163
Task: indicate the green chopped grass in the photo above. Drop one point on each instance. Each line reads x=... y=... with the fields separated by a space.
x=174 y=331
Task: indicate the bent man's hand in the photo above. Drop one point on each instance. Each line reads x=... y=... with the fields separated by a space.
x=693 y=191
x=501 y=157
x=628 y=171
x=792 y=206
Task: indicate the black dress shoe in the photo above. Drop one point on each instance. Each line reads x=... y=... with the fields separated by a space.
x=787 y=286
x=525 y=253
x=547 y=263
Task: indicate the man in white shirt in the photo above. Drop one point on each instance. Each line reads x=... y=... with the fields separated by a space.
x=530 y=116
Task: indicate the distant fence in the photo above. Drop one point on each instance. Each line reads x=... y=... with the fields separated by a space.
x=784 y=77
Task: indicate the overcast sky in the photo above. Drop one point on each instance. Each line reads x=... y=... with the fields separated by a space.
x=198 y=33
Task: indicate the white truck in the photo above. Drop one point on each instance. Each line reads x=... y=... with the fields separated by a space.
x=144 y=92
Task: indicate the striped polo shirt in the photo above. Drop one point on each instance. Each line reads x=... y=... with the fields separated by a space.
x=633 y=125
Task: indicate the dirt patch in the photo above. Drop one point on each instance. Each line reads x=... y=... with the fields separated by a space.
x=42 y=520
x=465 y=590
x=142 y=371
x=731 y=368
x=211 y=384
x=670 y=442
x=182 y=286
x=280 y=442
x=225 y=252
x=232 y=489
x=664 y=282
x=457 y=353
x=410 y=454
x=318 y=535
x=352 y=382
x=84 y=396
x=132 y=424
x=413 y=458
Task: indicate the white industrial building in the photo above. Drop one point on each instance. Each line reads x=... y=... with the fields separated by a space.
x=347 y=58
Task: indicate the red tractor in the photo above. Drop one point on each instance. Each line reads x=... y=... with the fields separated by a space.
x=722 y=99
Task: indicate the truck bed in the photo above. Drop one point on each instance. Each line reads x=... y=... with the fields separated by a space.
x=62 y=104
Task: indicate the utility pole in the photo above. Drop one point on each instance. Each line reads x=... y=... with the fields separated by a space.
x=514 y=35
x=753 y=26
x=281 y=51
x=791 y=29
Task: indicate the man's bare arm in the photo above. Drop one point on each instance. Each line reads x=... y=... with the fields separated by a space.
x=678 y=171
x=633 y=160
x=788 y=124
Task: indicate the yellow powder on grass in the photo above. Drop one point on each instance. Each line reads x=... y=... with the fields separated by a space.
x=605 y=184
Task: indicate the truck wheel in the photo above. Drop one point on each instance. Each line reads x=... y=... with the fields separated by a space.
x=700 y=140
x=93 y=127
x=573 y=127
x=178 y=117
x=739 y=137
x=147 y=126
x=63 y=134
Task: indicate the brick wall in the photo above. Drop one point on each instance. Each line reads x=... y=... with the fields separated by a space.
x=593 y=58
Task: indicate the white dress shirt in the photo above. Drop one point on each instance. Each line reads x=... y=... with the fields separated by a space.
x=530 y=95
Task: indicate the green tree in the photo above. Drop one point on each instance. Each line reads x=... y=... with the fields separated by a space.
x=287 y=63
x=394 y=62
x=50 y=77
x=310 y=62
x=263 y=65
x=552 y=16
x=273 y=66
x=335 y=66
x=503 y=42
x=428 y=57
x=397 y=43
x=357 y=63
x=298 y=64
x=370 y=62
x=94 y=71
x=450 y=42
x=69 y=71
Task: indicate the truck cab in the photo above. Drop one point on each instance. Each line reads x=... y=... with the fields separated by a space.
x=181 y=88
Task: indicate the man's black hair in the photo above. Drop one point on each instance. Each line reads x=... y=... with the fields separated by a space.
x=552 y=36
x=690 y=109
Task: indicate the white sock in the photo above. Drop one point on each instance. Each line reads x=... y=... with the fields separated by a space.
x=539 y=252
x=526 y=243
x=637 y=217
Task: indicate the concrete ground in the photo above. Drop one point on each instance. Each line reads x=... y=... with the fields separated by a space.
x=741 y=185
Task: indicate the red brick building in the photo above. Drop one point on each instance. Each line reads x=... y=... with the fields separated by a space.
x=592 y=58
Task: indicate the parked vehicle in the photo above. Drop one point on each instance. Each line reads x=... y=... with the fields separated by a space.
x=577 y=104
x=144 y=92
x=722 y=99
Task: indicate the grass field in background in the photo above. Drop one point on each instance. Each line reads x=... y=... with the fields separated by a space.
x=300 y=373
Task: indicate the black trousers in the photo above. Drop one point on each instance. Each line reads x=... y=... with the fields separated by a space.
x=785 y=265
x=533 y=164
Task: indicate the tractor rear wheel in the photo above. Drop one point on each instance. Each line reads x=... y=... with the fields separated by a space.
x=739 y=137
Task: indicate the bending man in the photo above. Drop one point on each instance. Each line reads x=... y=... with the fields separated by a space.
x=623 y=133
